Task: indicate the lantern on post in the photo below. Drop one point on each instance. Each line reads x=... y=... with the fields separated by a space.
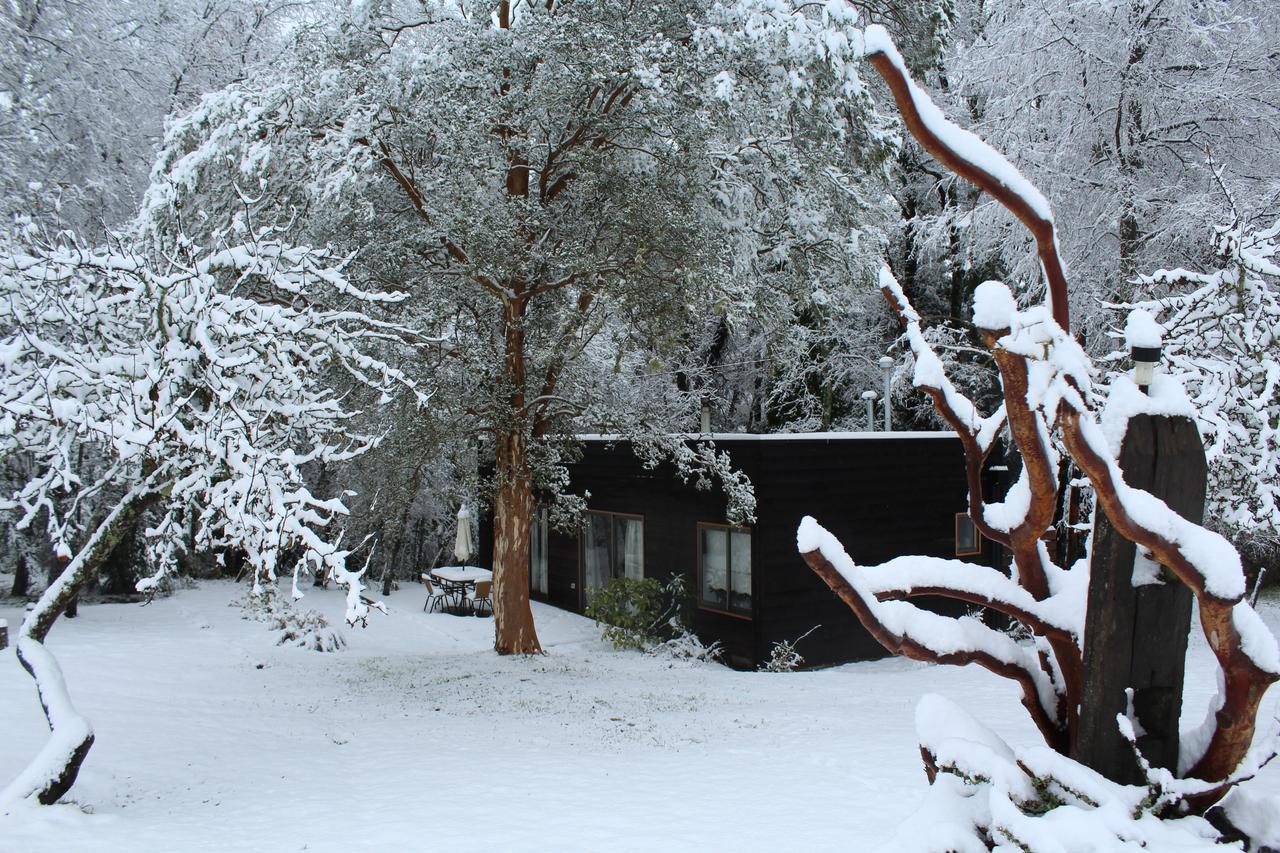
x=1145 y=338
x=886 y=365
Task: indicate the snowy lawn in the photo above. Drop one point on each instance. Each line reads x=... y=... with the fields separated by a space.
x=418 y=737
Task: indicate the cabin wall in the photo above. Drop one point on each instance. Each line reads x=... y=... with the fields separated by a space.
x=882 y=496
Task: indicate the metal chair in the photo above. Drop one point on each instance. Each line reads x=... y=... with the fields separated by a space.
x=478 y=599
x=435 y=599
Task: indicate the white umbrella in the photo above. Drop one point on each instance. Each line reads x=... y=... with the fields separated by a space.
x=462 y=547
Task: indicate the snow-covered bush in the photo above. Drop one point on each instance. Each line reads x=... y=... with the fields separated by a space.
x=985 y=795
x=307 y=629
x=783 y=657
x=685 y=645
x=1221 y=338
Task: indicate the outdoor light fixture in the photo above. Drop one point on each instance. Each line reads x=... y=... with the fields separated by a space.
x=870 y=397
x=1145 y=338
x=704 y=421
x=886 y=364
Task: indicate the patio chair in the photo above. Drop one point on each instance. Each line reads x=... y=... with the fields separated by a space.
x=435 y=598
x=478 y=599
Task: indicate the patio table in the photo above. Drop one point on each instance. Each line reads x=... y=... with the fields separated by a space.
x=456 y=580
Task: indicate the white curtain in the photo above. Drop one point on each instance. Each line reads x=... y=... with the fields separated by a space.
x=633 y=548
x=714 y=567
x=595 y=552
x=740 y=570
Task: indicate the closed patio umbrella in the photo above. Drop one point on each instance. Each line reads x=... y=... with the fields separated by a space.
x=462 y=547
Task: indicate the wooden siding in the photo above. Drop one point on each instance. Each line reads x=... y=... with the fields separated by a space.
x=882 y=496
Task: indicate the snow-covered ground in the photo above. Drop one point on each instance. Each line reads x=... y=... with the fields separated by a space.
x=418 y=737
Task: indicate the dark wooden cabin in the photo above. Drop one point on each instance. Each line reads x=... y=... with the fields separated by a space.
x=884 y=494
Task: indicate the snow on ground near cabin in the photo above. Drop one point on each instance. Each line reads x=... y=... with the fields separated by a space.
x=418 y=737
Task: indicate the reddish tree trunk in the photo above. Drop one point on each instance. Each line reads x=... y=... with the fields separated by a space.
x=514 y=632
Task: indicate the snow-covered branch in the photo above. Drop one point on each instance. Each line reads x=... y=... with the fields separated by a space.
x=199 y=375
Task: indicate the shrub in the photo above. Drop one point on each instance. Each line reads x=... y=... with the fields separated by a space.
x=637 y=613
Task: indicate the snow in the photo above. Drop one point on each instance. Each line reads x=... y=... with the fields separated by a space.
x=1142 y=330
x=994 y=307
x=455 y=748
x=783 y=436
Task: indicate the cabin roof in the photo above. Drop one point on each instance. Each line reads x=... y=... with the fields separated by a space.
x=783 y=436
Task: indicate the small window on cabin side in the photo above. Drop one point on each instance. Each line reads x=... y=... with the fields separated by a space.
x=612 y=547
x=968 y=539
x=724 y=568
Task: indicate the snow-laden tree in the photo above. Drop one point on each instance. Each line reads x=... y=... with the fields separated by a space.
x=85 y=87
x=560 y=187
x=199 y=375
x=1122 y=112
x=1222 y=339
x=1053 y=411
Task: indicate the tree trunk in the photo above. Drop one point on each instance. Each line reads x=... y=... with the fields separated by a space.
x=53 y=771
x=21 y=578
x=514 y=631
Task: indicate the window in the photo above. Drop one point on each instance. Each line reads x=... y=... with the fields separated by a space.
x=612 y=547
x=724 y=568
x=968 y=539
x=538 y=552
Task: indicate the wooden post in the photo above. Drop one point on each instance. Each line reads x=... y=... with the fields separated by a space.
x=4 y=634
x=1136 y=637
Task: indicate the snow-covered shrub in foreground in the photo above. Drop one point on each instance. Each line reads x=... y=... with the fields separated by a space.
x=306 y=629
x=987 y=796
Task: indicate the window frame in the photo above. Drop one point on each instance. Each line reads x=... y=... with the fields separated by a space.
x=962 y=518
x=729 y=529
x=582 y=546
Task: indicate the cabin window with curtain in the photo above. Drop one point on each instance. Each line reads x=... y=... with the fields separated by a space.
x=538 y=552
x=724 y=569
x=612 y=547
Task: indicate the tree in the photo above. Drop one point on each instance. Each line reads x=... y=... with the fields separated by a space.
x=1050 y=407
x=560 y=193
x=1221 y=330
x=1122 y=112
x=85 y=88
x=197 y=374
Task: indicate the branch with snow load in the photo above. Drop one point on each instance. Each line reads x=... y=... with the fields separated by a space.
x=904 y=629
x=1047 y=383
x=1027 y=510
x=974 y=160
x=197 y=376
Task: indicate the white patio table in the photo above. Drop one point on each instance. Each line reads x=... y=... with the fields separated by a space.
x=456 y=580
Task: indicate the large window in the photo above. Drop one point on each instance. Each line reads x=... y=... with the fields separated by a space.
x=724 y=568
x=612 y=547
x=538 y=552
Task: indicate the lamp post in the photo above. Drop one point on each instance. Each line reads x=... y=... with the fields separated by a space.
x=870 y=398
x=886 y=365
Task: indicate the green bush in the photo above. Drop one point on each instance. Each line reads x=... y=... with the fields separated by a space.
x=636 y=614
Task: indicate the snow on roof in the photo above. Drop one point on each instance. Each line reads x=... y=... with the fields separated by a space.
x=781 y=436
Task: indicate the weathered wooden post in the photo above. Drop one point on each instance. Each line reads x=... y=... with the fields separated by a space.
x=1139 y=615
